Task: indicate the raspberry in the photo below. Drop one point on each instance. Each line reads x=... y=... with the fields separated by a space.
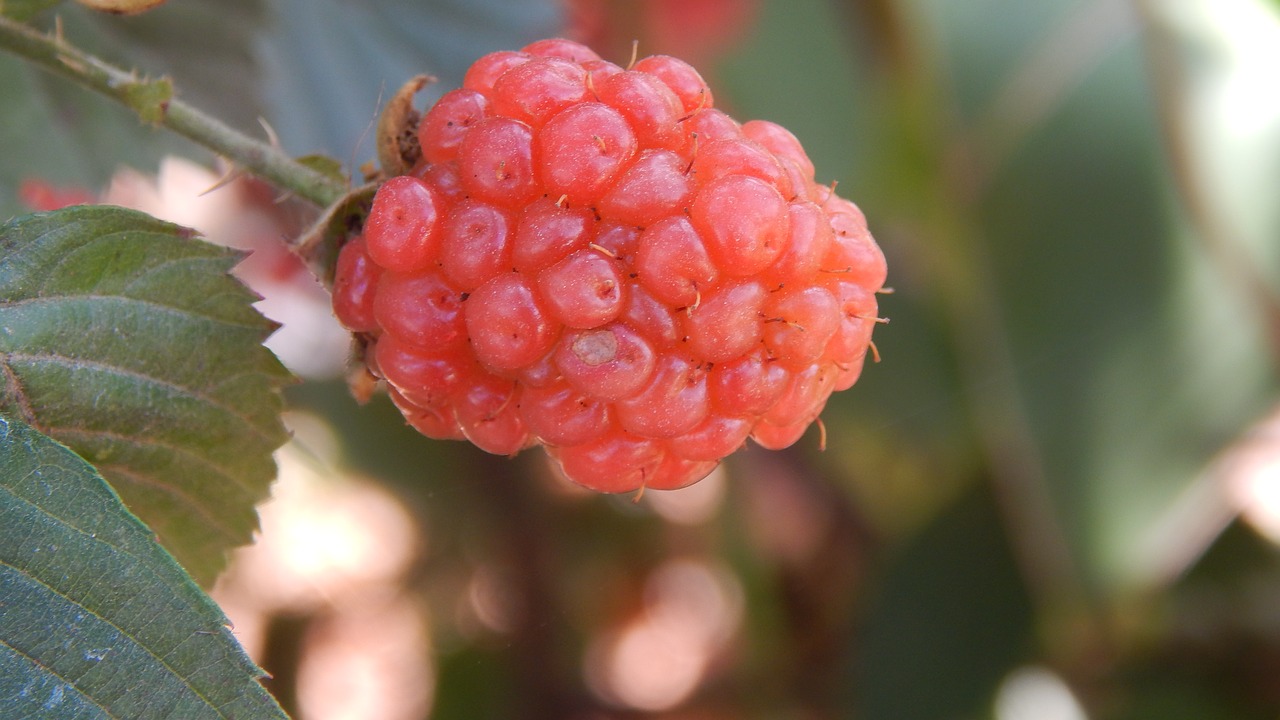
x=597 y=260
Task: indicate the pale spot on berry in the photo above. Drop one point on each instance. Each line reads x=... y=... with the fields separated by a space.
x=596 y=348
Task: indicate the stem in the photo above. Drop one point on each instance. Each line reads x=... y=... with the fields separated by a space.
x=153 y=102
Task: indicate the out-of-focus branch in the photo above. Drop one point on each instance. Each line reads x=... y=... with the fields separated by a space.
x=153 y=101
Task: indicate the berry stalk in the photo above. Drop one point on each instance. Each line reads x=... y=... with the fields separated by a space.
x=152 y=100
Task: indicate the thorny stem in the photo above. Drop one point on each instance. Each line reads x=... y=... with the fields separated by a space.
x=153 y=102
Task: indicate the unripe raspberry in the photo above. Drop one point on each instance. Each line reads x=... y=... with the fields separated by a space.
x=779 y=141
x=489 y=415
x=561 y=48
x=681 y=78
x=659 y=322
x=548 y=232
x=713 y=438
x=744 y=222
x=425 y=377
x=648 y=105
x=421 y=309
x=672 y=403
x=728 y=323
x=599 y=261
x=749 y=385
x=563 y=416
x=654 y=184
x=718 y=158
x=673 y=264
x=484 y=73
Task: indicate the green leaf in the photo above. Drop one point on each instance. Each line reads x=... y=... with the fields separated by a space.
x=124 y=337
x=331 y=167
x=948 y=620
x=55 y=131
x=25 y=9
x=325 y=96
x=97 y=620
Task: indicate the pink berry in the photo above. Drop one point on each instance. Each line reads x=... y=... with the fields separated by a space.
x=610 y=362
x=421 y=309
x=654 y=184
x=649 y=106
x=547 y=232
x=600 y=261
x=728 y=323
x=673 y=263
x=561 y=48
x=673 y=402
x=475 y=243
x=561 y=415
x=484 y=73
x=744 y=222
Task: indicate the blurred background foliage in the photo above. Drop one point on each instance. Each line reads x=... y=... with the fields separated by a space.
x=1057 y=497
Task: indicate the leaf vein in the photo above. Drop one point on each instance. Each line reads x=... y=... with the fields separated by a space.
x=123 y=633
x=199 y=509
x=24 y=404
x=142 y=563
x=73 y=364
x=141 y=442
x=34 y=661
x=146 y=302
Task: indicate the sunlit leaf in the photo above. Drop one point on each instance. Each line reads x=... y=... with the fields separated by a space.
x=97 y=620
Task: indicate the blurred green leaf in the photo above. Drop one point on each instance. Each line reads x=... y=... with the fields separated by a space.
x=98 y=620
x=1140 y=356
x=1109 y=338
x=57 y=132
x=206 y=46
x=330 y=65
x=949 y=621
x=127 y=340
x=25 y=9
